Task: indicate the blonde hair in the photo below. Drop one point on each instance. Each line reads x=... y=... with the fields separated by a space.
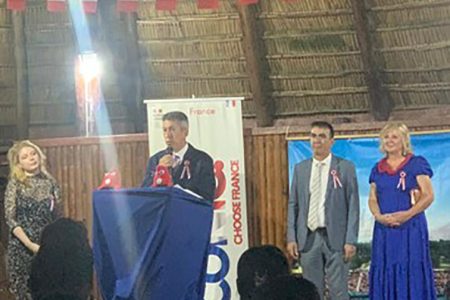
x=15 y=171
x=404 y=132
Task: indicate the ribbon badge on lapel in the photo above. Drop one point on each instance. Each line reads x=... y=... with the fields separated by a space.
x=186 y=170
x=402 y=181
x=336 y=180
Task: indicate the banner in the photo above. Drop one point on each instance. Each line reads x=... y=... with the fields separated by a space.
x=364 y=153
x=215 y=126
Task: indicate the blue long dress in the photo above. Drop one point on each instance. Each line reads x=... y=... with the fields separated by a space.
x=401 y=267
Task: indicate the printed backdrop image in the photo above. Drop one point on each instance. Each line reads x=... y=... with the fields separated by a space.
x=364 y=153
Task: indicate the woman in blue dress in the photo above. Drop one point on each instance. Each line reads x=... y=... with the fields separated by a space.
x=400 y=191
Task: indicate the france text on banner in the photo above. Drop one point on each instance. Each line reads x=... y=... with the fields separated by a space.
x=215 y=126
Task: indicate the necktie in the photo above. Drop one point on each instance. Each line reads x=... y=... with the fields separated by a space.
x=314 y=201
x=175 y=161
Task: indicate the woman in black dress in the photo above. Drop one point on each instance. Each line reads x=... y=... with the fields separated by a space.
x=32 y=201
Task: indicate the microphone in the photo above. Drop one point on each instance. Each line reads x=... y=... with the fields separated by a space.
x=162 y=177
x=169 y=150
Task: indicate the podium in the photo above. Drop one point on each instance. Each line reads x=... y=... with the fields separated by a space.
x=150 y=243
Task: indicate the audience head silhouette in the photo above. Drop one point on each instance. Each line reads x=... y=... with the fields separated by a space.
x=258 y=265
x=63 y=266
x=287 y=287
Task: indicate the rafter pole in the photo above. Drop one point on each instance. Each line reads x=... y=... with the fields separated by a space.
x=257 y=64
x=20 y=56
x=381 y=103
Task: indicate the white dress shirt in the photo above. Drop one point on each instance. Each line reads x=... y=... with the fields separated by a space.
x=326 y=163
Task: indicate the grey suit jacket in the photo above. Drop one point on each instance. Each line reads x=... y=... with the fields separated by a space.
x=341 y=205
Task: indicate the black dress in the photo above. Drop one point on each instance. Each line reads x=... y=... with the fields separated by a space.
x=31 y=206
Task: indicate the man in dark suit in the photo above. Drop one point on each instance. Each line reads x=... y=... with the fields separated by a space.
x=191 y=168
x=323 y=214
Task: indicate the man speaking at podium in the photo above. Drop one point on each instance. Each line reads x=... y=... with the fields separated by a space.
x=190 y=168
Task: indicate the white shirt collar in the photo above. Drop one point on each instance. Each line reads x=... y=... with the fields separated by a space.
x=326 y=161
x=182 y=152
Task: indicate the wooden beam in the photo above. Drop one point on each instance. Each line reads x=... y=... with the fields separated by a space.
x=257 y=65
x=381 y=103
x=22 y=105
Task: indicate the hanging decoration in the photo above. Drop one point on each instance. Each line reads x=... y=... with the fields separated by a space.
x=90 y=6
x=16 y=5
x=208 y=4
x=127 y=5
x=166 y=4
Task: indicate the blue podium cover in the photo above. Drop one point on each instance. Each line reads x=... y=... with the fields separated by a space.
x=151 y=243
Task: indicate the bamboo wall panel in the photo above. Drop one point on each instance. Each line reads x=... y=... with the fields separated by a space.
x=267 y=188
x=79 y=164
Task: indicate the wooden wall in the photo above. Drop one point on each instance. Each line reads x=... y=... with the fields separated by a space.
x=78 y=164
x=267 y=188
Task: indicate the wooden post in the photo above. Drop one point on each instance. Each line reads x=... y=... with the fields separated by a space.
x=134 y=89
x=257 y=65
x=381 y=103
x=22 y=105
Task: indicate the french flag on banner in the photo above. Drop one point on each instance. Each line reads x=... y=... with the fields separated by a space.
x=208 y=4
x=127 y=5
x=18 y=5
x=166 y=4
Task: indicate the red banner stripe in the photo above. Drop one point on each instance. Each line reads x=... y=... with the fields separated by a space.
x=18 y=5
x=127 y=5
x=166 y=4
x=208 y=4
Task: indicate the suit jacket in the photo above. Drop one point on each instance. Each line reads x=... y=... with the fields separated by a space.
x=202 y=180
x=341 y=204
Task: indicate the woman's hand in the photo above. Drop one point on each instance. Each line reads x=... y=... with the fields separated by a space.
x=387 y=220
x=33 y=247
x=401 y=217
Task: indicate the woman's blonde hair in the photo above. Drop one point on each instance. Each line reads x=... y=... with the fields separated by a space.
x=404 y=132
x=15 y=171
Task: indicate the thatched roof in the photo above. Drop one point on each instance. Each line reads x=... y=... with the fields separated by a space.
x=311 y=48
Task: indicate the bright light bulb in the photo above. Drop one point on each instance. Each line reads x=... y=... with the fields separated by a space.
x=89 y=65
